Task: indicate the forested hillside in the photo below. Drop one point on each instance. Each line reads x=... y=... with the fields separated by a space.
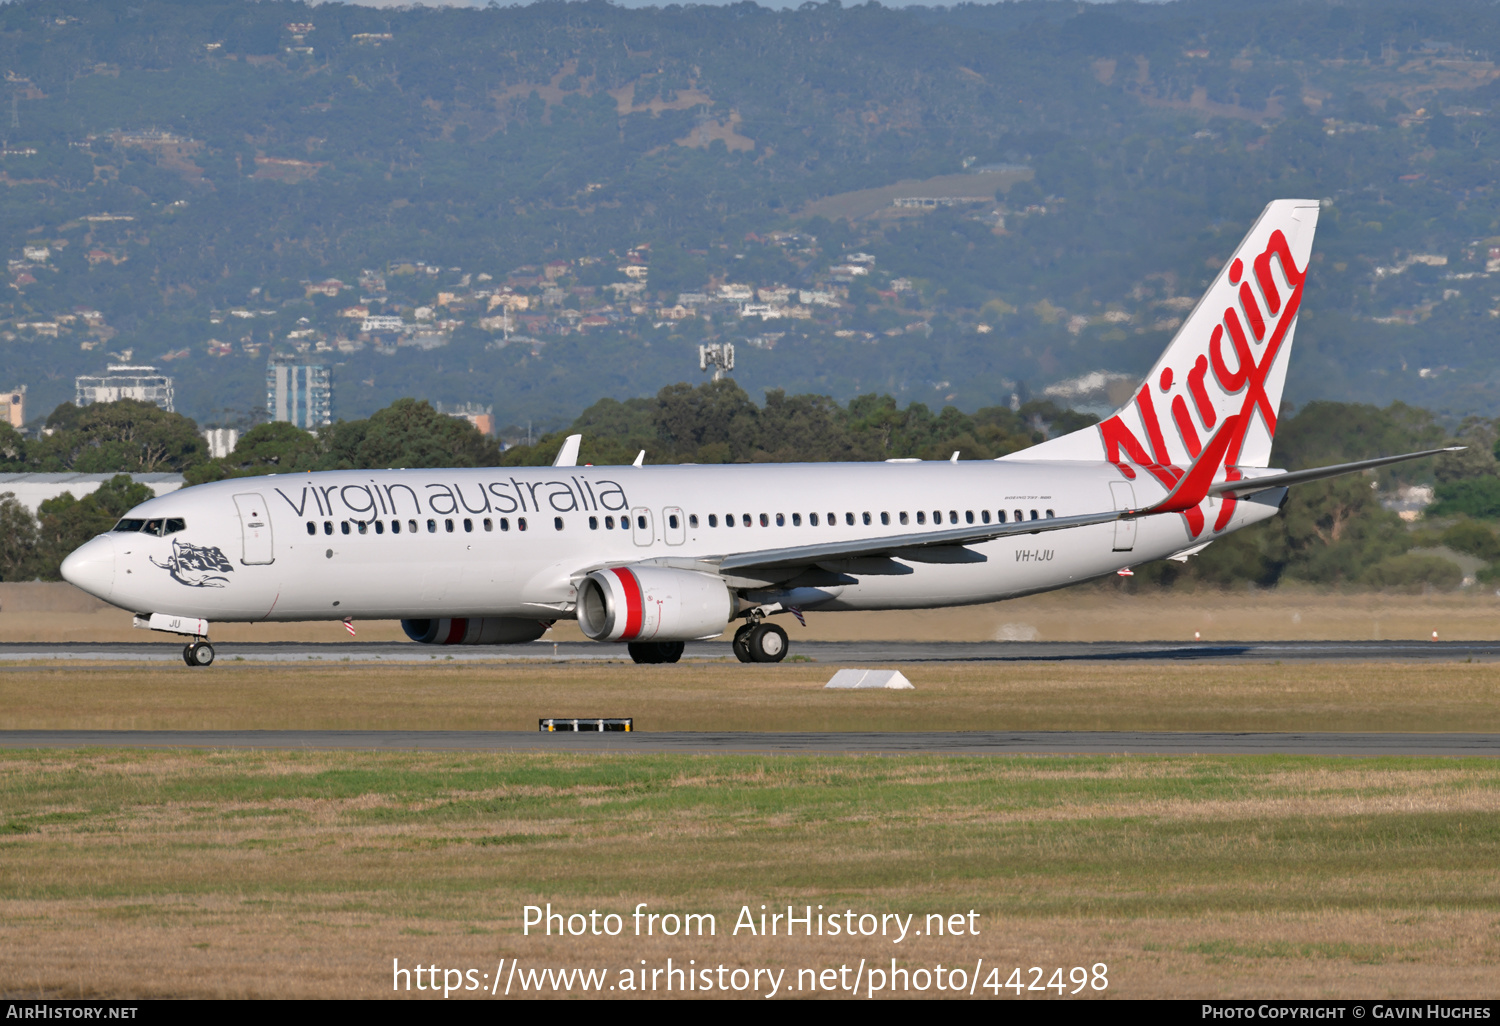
x=536 y=206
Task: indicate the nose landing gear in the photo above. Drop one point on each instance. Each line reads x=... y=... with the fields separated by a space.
x=198 y=653
x=760 y=643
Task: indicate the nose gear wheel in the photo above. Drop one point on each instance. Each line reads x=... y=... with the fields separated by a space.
x=198 y=653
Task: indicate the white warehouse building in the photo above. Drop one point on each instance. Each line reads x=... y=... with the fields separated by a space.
x=124 y=381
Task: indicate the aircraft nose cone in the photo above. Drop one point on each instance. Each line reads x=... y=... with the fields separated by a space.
x=91 y=567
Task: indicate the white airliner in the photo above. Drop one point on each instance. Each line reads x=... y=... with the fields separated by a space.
x=655 y=556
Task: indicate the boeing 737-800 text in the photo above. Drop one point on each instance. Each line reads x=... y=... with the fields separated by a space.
x=655 y=556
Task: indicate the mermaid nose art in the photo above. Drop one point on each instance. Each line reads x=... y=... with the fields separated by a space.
x=91 y=567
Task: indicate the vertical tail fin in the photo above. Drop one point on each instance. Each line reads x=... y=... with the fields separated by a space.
x=1229 y=358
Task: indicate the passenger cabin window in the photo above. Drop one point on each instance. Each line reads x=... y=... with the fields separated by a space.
x=812 y=518
x=904 y=517
x=693 y=521
x=937 y=516
x=672 y=520
x=328 y=527
x=411 y=525
x=557 y=523
x=849 y=519
x=520 y=523
x=1051 y=515
x=764 y=521
x=984 y=515
x=968 y=516
x=1020 y=516
x=593 y=523
x=432 y=527
x=344 y=526
x=312 y=528
x=489 y=525
x=921 y=516
x=797 y=519
x=380 y=527
x=468 y=526
x=953 y=516
x=713 y=520
x=1000 y=515
x=745 y=519
x=780 y=520
x=1034 y=516
x=640 y=522
x=448 y=524
x=885 y=519
x=505 y=523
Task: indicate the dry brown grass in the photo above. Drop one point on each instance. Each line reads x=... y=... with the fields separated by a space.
x=58 y=612
x=304 y=874
x=790 y=696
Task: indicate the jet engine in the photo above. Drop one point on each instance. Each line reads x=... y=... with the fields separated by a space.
x=648 y=603
x=489 y=630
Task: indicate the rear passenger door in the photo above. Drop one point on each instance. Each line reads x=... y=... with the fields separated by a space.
x=1124 y=496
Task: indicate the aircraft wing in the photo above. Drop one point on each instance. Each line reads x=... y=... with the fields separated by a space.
x=1251 y=485
x=947 y=546
x=939 y=546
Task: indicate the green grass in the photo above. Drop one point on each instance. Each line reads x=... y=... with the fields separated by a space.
x=1034 y=836
x=1183 y=870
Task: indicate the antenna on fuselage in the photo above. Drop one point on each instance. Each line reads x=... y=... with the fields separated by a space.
x=640 y=458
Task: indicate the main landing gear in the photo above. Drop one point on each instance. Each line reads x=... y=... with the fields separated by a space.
x=198 y=653
x=656 y=651
x=760 y=643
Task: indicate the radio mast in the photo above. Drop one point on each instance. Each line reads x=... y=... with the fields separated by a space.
x=719 y=355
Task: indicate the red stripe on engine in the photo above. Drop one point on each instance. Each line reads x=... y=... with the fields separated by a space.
x=456 y=632
x=634 y=607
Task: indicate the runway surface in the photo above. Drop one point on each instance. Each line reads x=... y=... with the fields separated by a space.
x=781 y=743
x=834 y=652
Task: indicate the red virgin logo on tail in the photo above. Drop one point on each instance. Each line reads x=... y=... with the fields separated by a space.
x=1247 y=378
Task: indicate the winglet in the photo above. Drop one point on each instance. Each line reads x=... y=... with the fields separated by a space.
x=1192 y=488
x=567 y=456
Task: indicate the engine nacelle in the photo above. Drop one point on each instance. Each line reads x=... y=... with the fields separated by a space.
x=489 y=630
x=647 y=603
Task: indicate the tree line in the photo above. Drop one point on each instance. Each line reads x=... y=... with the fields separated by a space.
x=1330 y=533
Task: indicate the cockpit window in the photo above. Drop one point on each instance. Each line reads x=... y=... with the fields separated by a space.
x=170 y=525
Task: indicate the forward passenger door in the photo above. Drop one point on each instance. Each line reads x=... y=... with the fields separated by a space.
x=255 y=530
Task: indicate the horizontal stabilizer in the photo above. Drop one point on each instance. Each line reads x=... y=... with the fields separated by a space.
x=1249 y=486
